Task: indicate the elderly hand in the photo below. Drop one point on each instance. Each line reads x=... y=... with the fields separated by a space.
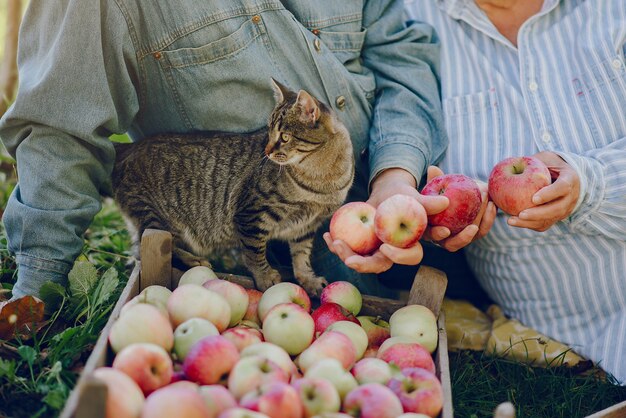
x=554 y=202
x=388 y=183
x=476 y=230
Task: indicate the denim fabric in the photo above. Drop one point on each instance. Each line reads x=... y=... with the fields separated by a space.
x=92 y=68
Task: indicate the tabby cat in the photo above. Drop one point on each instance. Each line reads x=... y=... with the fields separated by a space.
x=241 y=190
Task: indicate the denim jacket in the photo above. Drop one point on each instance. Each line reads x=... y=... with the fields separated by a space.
x=91 y=68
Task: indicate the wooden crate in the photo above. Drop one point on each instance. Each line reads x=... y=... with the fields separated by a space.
x=87 y=400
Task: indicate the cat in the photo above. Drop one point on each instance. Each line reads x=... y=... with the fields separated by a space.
x=219 y=189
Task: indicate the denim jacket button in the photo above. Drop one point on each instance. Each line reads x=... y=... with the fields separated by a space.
x=317 y=44
x=340 y=102
x=315 y=32
x=157 y=55
x=256 y=18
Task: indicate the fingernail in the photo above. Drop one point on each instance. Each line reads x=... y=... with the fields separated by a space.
x=536 y=200
x=522 y=215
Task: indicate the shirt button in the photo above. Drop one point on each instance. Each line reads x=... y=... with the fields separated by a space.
x=157 y=55
x=317 y=44
x=340 y=102
x=533 y=86
x=256 y=18
x=617 y=63
x=546 y=137
x=315 y=32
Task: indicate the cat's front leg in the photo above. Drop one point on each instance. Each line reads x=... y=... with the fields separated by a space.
x=254 y=256
x=301 y=257
x=188 y=259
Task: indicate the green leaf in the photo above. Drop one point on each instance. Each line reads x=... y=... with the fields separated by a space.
x=52 y=294
x=28 y=353
x=55 y=398
x=106 y=285
x=82 y=277
x=7 y=368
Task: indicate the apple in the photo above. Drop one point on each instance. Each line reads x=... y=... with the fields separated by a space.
x=250 y=324
x=333 y=371
x=252 y=313
x=415 y=321
x=271 y=352
x=400 y=221
x=377 y=330
x=372 y=400
x=241 y=413
x=251 y=372
x=193 y=301
x=276 y=400
x=124 y=397
x=333 y=415
x=331 y=344
x=189 y=332
x=413 y=415
x=243 y=336
x=514 y=181
x=175 y=401
x=406 y=355
x=395 y=340
x=353 y=223
x=154 y=295
x=210 y=360
x=329 y=313
x=283 y=292
x=235 y=295
x=373 y=370
x=343 y=293
x=197 y=275
x=464 y=199
x=317 y=395
x=149 y=365
x=419 y=391
x=141 y=323
x=289 y=326
x=217 y=399
x=353 y=331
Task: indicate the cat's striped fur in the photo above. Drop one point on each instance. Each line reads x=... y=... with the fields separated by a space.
x=226 y=190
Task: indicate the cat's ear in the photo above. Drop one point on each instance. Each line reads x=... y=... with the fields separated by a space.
x=280 y=91
x=310 y=109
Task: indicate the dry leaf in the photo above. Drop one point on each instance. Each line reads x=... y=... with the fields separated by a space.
x=20 y=315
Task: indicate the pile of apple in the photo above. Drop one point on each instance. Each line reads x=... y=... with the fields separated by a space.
x=214 y=349
x=401 y=220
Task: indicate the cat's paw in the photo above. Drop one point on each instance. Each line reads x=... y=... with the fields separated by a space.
x=267 y=280
x=313 y=285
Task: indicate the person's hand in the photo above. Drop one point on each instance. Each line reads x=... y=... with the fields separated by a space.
x=554 y=202
x=388 y=183
x=477 y=229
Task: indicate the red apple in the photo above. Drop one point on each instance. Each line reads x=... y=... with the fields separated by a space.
x=400 y=221
x=465 y=199
x=124 y=397
x=419 y=391
x=353 y=331
x=251 y=372
x=331 y=344
x=217 y=399
x=372 y=400
x=234 y=294
x=377 y=330
x=289 y=326
x=284 y=292
x=210 y=360
x=141 y=323
x=514 y=181
x=175 y=401
x=149 y=365
x=276 y=400
x=406 y=355
x=353 y=223
x=252 y=313
x=343 y=293
x=317 y=395
x=243 y=336
x=329 y=313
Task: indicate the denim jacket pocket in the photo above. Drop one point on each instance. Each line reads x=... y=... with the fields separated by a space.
x=476 y=116
x=601 y=92
x=204 y=77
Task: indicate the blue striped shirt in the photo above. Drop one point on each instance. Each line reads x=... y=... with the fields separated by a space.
x=562 y=89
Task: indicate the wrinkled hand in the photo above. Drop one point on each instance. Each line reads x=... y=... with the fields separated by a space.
x=390 y=182
x=479 y=228
x=554 y=202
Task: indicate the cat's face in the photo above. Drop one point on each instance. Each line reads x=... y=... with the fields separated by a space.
x=299 y=126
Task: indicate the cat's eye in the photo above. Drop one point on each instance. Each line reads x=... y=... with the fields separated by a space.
x=284 y=138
